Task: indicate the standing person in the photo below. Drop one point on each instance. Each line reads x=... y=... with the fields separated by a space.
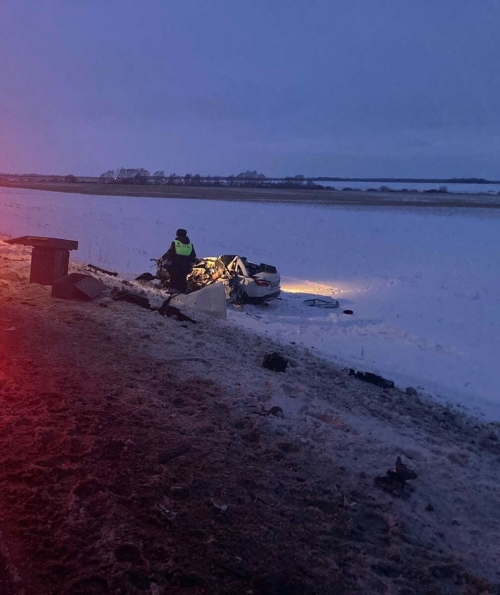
x=179 y=260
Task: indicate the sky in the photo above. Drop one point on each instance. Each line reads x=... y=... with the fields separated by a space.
x=355 y=88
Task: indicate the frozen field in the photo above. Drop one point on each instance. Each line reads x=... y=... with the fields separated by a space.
x=423 y=285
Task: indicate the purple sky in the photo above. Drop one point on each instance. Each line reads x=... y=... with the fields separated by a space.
x=318 y=87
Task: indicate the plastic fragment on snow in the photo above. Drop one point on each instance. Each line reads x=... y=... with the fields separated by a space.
x=210 y=300
x=221 y=507
x=322 y=303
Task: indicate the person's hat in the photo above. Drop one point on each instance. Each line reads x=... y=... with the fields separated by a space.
x=181 y=232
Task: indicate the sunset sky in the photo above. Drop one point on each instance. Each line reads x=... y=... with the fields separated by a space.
x=319 y=87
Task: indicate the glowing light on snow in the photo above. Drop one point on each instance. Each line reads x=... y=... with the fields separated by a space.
x=292 y=285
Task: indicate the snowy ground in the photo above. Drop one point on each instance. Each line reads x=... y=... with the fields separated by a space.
x=423 y=285
x=142 y=455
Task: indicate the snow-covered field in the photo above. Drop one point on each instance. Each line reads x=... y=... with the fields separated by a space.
x=423 y=285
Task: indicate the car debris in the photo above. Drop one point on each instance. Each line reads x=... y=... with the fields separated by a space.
x=210 y=300
x=276 y=411
x=322 y=302
x=274 y=362
x=96 y=269
x=123 y=295
x=77 y=286
x=164 y=512
x=172 y=312
x=395 y=480
x=372 y=378
x=146 y=277
x=221 y=507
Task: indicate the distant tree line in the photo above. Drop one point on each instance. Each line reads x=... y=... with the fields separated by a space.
x=252 y=178
x=248 y=178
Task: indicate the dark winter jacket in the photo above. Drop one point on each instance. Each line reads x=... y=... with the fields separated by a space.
x=179 y=263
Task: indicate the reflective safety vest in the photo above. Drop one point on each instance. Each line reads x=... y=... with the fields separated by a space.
x=183 y=249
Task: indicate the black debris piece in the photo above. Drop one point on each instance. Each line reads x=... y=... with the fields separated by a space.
x=92 y=267
x=372 y=379
x=402 y=473
x=145 y=277
x=395 y=480
x=274 y=362
x=167 y=310
x=122 y=295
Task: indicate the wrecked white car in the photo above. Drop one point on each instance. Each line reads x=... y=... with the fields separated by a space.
x=245 y=282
